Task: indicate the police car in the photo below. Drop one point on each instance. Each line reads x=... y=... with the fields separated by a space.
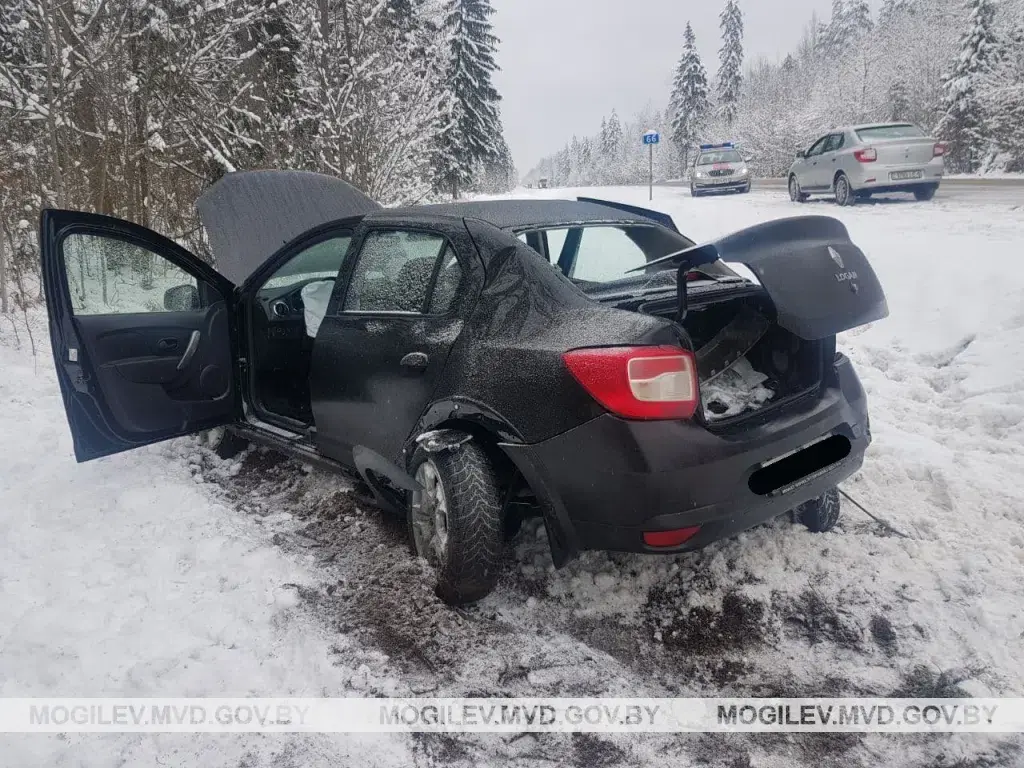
x=719 y=168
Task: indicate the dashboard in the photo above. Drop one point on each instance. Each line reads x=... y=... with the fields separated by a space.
x=284 y=303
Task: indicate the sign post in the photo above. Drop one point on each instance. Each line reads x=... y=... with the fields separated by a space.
x=650 y=139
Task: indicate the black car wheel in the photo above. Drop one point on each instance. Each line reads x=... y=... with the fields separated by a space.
x=844 y=193
x=926 y=192
x=794 y=190
x=225 y=443
x=694 y=192
x=820 y=514
x=455 y=520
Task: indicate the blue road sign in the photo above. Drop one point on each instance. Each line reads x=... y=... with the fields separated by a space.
x=651 y=137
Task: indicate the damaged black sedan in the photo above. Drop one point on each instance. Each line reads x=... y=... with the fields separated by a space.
x=475 y=363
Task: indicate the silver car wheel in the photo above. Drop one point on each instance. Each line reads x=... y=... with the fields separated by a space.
x=794 y=189
x=842 y=190
x=430 y=515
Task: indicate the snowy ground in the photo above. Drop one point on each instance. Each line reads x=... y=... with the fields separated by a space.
x=170 y=572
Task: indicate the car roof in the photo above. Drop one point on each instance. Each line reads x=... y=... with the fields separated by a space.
x=521 y=214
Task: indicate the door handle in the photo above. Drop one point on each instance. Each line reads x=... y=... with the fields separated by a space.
x=167 y=345
x=416 y=361
x=190 y=350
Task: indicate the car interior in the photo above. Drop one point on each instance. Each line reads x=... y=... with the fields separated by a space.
x=285 y=317
x=396 y=273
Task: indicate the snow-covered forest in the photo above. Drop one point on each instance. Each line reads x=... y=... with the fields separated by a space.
x=952 y=66
x=131 y=107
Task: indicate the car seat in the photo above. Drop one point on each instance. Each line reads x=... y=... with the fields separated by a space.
x=315 y=297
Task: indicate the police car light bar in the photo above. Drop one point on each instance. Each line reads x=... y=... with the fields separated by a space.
x=725 y=145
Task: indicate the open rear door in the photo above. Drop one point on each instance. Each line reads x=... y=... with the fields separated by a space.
x=141 y=333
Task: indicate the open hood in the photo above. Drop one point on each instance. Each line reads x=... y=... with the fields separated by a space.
x=249 y=215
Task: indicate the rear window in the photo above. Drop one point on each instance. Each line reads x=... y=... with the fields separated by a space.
x=890 y=132
x=604 y=253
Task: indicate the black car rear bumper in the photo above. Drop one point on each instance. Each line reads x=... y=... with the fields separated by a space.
x=606 y=482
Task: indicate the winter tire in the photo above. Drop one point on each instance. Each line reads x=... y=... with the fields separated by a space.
x=694 y=192
x=225 y=443
x=844 y=193
x=820 y=514
x=794 y=190
x=926 y=192
x=455 y=520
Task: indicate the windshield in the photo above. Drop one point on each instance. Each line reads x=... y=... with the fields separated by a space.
x=720 y=156
x=890 y=132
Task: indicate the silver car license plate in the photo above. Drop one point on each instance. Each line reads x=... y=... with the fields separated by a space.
x=902 y=175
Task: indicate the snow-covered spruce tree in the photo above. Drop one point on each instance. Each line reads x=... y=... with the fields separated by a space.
x=899 y=101
x=834 y=36
x=858 y=19
x=497 y=175
x=473 y=125
x=1002 y=96
x=689 y=101
x=891 y=9
x=962 y=123
x=730 y=55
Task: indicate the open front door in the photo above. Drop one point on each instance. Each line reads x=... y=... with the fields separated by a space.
x=141 y=334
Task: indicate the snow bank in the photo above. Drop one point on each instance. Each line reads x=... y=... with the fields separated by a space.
x=126 y=577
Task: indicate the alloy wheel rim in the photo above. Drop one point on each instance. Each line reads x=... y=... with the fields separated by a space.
x=430 y=515
x=842 y=190
x=794 y=189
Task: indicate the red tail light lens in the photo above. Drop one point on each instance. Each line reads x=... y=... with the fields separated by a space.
x=638 y=382
x=868 y=155
x=939 y=149
x=671 y=538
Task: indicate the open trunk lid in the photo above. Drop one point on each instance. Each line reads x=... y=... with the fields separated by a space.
x=816 y=283
x=819 y=282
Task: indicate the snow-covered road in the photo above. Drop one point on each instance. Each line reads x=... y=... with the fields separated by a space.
x=170 y=572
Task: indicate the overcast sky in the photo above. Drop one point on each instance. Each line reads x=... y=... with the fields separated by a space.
x=566 y=63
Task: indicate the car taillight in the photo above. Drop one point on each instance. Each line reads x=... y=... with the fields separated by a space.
x=939 y=149
x=868 y=155
x=638 y=382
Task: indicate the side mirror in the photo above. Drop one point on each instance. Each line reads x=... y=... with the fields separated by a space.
x=181 y=298
x=800 y=153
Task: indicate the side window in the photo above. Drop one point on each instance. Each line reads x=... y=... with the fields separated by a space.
x=394 y=271
x=818 y=148
x=320 y=261
x=107 y=276
x=835 y=141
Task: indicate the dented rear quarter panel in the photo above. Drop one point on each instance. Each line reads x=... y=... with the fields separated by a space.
x=506 y=370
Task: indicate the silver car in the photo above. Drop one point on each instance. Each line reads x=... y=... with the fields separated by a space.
x=852 y=163
x=719 y=168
